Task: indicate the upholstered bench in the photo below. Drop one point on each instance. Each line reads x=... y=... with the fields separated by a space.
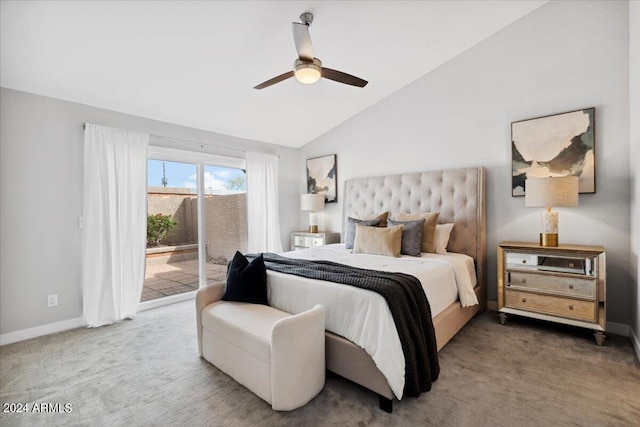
x=278 y=356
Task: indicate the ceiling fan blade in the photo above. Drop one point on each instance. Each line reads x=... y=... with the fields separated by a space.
x=340 y=77
x=302 y=39
x=275 y=80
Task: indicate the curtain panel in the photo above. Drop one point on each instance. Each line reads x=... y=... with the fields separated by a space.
x=115 y=223
x=263 y=219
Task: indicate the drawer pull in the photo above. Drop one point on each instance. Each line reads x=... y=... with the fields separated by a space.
x=524 y=280
x=570 y=307
x=524 y=300
x=570 y=286
x=524 y=261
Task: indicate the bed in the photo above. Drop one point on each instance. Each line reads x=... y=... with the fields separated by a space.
x=459 y=196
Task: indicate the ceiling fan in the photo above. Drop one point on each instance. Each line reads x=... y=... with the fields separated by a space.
x=307 y=69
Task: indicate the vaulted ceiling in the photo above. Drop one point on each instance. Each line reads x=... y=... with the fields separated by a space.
x=196 y=63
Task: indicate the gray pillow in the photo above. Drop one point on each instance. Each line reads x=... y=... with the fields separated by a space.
x=350 y=234
x=411 y=236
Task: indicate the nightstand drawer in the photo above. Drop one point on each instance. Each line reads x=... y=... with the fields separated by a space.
x=517 y=259
x=303 y=240
x=569 y=286
x=573 y=309
x=308 y=241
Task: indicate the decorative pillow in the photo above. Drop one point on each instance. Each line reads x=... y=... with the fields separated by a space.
x=381 y=216
x=411 y=236
x=428 y=230
x=350 y=234
x=441 y=239
x=246 y=281
x=378 y=241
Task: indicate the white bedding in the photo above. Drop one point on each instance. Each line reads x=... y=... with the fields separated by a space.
x=362 y=316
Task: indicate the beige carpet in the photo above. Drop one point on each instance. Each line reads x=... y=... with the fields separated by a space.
x=147 y=372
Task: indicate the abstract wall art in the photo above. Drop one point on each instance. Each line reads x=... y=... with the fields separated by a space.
x=321 y=177
x=557 y=145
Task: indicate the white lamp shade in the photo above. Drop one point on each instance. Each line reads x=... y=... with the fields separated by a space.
x=557 y=191
x=311 y=202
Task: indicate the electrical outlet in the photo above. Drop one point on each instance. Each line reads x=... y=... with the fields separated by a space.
x=52 y=300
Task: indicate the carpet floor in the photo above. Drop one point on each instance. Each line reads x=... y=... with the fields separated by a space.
x=147 y=372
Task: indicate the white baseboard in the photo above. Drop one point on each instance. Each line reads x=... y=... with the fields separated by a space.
x=635 y=342
x=618 y=329
x=79 y=322
x=42 y=330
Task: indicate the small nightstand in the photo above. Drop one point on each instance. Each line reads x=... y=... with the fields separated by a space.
x=564 y=284
x=303 y=239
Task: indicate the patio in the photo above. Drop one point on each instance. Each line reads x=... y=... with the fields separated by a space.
x=163 y=280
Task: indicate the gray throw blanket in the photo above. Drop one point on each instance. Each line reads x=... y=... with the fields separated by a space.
x=406 y=299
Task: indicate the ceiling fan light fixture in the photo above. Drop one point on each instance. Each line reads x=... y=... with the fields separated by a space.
x=308 y=69
x=307 y=72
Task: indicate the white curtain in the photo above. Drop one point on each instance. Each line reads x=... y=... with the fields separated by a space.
x=263 y=220
x=115 y=223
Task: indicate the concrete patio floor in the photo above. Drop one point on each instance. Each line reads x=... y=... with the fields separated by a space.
x=163 y=280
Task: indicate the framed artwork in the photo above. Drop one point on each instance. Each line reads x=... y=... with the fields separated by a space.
x=557 y=145
x=322 y=177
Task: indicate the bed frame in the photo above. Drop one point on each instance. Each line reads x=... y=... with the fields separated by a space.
x=459 y=196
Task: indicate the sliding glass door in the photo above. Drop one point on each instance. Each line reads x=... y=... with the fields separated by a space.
x=197 y=207
x=172 y=229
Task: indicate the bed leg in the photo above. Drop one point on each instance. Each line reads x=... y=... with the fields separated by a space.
x=385 y=404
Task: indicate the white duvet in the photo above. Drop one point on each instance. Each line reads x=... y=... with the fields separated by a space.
x=362 y=316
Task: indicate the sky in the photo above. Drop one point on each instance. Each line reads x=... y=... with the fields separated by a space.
x=184 y=175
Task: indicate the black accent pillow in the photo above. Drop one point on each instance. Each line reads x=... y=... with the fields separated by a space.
x=246 y=281
x=411 y=236
x=350 y=234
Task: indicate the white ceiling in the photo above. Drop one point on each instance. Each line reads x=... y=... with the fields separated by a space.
x=195 y=63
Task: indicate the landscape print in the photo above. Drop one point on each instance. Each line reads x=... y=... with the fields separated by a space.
x=554 y=146
x=321 y=177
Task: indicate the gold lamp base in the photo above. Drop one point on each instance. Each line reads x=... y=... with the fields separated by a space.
x=549 y=239
x=314 y=229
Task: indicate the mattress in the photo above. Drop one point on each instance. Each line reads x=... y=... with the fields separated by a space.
x=362 y=316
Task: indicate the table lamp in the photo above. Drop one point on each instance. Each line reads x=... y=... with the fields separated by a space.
x=557 y=191
x=312 y=203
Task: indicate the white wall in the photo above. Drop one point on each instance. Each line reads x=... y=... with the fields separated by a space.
x=41 y=184
x=634 y=139
x=561 y=57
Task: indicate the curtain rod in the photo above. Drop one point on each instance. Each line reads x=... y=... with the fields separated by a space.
x=201 y=144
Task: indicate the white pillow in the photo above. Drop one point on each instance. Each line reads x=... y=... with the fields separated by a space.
x=441 y=238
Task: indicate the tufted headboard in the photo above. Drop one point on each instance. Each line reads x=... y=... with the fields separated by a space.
x=458 y=194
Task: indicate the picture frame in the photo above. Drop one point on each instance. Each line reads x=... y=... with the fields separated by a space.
x=560 y=144
x=322 y=177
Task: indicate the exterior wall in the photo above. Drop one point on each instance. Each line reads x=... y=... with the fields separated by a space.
x=225 y=220
x=180 y=203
